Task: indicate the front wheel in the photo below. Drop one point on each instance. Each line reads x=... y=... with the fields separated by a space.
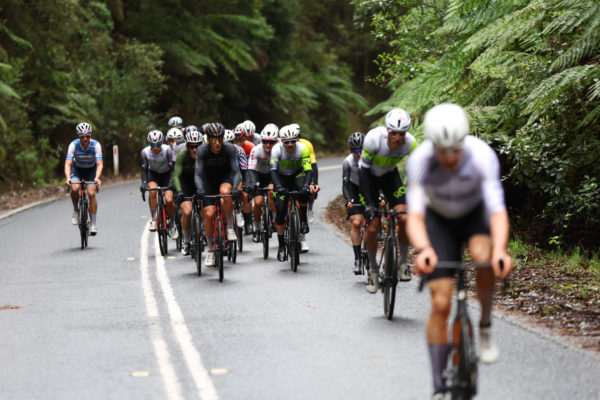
x=84 y=228
x=178 y=241
x=161 y=220
x=197 y=240
x=390 y=278
x=219 y=248
x=463 y=361
x=294 y=243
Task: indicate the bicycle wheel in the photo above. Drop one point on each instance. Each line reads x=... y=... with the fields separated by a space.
x=240 y=237
x=179 y=240
x=463 y=362
x=197 y=240
x=83 y=223
x=389 y=278
x=233 y=246
x=219 y=248
x=265 y=232
x=293 y=246
x=161 y=221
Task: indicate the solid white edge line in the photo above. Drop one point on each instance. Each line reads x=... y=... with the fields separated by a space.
x=193 y=359
x=161 y=350
x=330 y=167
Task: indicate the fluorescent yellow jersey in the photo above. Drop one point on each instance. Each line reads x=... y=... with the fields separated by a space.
x=311 y=149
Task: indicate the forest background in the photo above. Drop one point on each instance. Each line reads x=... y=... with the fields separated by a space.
x=527 y=71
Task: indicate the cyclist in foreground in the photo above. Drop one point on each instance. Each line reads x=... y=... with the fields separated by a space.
x=455 y=196
x=217 y=172
x=84 y=163
x=354 y=199
x=290 y=170
x=314 y=184
x=384 y=147
x=157 y=171
x=259 y=174
x=183 y=181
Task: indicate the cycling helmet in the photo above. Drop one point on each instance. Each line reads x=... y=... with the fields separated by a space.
x=288 y=132
x=174 y=133
x=193 y=135
x=83 y=128
x=397 y=120
x=215 y=129
x=239 y=132
x=175 y=122
x=296 y=128
x=155 y=138
x=446 y=125
x=355 y=141
x=249 y=127
x=190 y=128
x=228 y=136
x=269 y=132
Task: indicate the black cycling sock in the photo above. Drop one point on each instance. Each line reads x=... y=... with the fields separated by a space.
x=248 y=218
x=303 y=217
x=281 y=240
x=356 y=252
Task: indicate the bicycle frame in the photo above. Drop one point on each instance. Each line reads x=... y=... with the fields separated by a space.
x=161 y=218
x=265 y=232
x=292 y=231
x=220 y=244
x=83 y=217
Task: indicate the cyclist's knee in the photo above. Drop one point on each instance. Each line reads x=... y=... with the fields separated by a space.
x=440 y=306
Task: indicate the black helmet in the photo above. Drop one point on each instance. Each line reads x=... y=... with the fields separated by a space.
x=355 y=141
x=214 y=129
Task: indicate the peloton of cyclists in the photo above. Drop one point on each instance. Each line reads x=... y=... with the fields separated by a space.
x=383 y=148
x=84 y=163
x=157 y=171
x=455 y=196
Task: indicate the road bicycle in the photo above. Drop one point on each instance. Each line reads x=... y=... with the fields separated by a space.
x=388 y=262
x=83 y=215
x=292 y=231
x=220 y=243
x=162 y=219
x=461 y=368
x=197 y=237
x=266 y=221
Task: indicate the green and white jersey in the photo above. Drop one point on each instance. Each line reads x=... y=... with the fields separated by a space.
x=376 y=155
x=290 y=164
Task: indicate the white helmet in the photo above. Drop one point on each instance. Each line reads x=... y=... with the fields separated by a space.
x=193 y=135
x=249 y=127
x=174 y=133
x=155 y=138
x=83 y=128
x=446 y=125
x=175 y=122
x=295 y=128
x=270 y=132
x=288 y=132
x=397 y=120
x=229 y=136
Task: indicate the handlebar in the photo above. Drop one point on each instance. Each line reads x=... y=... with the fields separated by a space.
x=154 y=189
x=464 y=266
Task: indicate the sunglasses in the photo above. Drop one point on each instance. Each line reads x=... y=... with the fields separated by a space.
x=288 y=142
x=268 y=142
x=356 y=151
x=397 y=133
x=192 y=146
x=85 y=136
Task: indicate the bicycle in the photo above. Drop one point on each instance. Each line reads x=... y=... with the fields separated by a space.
x=389 y=258
x=461 y=368
x=83 y=216
x=237 y=209
x=220 y=244
x=179 y=240
x=162 y=219
x=197 y=233
x=292 y=231
x=266 y=222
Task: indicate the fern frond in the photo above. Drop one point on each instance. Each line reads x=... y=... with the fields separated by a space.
x=586 y=44
x=591 y=118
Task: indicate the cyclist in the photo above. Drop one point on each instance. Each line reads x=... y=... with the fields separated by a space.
x=84 y=163
x=247 y=146
x=217 y=172
x=314 y=186
x=290 y=170
x=259 y=173
x=157 y=170
x=176 y=122
x=383 y=148
x=354 y=200
x=250 y=129
x=455 y=196
x=173 y=135
x=183 y=181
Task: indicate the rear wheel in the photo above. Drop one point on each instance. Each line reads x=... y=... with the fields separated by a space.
x=389 y=278
x=197 y=240
x=219 y=248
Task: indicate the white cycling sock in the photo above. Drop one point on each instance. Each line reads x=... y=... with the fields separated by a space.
x=93 y=219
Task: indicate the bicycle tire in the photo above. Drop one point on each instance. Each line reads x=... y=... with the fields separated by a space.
x=179 y=240
x=197 y=240
x=233 y=245
x=162 y=229
x=83 y=223
x=219 y=249
x=463 y=362
x=294 y=231
x=240 y=237
x=389 y=278
x=265 y=231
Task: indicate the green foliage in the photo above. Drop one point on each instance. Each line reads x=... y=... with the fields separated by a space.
x=528 y=73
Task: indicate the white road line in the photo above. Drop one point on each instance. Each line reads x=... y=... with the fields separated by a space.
x=167 y=371
x=330 y=167
x=199 y=374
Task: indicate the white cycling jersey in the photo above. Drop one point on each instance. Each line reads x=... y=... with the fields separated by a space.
x=350 y=169
x=376 y=155
x=159 y=163
x=259 y=160
x=290 y=164
x=453 y=194
x=84 y=158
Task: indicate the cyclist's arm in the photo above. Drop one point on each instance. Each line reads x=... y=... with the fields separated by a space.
x=235 y=170
x=346 y=171
x=315 y=176
x=170 y=161
x=177 y=171
x=364 y=180
x=307 y=166
x=199 y=170
x=274 y=166
x=99 y=163
x=500 y=230
x=369 y=151
x=144 y=167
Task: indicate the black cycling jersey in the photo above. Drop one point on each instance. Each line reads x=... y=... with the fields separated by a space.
x=213 y=167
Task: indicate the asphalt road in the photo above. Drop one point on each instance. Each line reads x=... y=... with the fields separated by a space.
x=118 y=321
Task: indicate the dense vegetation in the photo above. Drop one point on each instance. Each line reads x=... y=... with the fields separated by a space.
x=526 y=70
